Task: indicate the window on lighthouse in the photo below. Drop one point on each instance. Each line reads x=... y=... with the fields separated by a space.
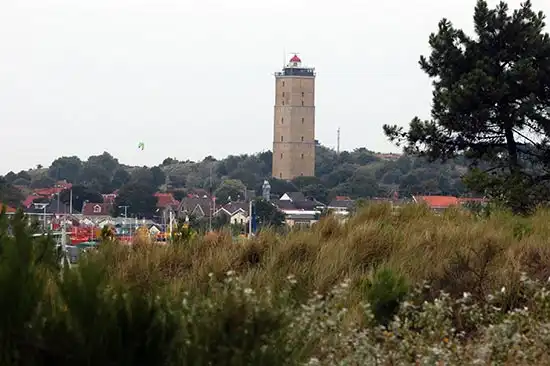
x=281 y=138
x=302 y=138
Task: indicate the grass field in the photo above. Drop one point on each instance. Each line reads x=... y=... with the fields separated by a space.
x=411 y=288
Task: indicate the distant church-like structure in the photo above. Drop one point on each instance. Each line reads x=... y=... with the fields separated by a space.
x=294 y=121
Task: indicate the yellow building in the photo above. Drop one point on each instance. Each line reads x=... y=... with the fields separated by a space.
x=294 y=121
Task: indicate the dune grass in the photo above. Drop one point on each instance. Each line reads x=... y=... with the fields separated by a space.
x=386 y=287
x=455 y=251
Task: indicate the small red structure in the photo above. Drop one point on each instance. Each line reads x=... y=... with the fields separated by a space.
x=295 y=58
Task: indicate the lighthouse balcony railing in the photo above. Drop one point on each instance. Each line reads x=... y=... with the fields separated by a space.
x=296 y=72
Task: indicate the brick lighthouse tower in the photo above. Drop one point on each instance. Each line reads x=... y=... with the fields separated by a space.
x=294 y=122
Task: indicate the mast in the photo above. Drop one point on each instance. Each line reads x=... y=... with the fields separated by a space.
x=338 y=140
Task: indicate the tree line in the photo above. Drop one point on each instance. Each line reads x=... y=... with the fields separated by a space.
x=358 y=174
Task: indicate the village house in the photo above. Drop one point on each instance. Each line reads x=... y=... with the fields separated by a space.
x=341 y=205
x=97 y=209
x=441 y=203
x=198 y=207
x=298 y=210
x=236 y=212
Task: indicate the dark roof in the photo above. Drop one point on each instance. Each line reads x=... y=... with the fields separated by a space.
x=189 y=205
x=341 y=203
x=296 y=196
x=284 y=204
x=233 y=207
x=52 y=208
x=305 y=205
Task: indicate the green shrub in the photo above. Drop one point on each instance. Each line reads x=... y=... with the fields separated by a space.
x=385 y=292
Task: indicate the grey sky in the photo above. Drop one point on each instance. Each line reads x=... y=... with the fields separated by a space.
x=194 y=78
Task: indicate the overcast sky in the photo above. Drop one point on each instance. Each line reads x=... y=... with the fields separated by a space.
x=192 y=78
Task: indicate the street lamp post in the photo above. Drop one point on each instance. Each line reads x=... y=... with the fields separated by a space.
x=125 y=207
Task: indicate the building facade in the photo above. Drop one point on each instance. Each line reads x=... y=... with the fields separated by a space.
x=294 y=121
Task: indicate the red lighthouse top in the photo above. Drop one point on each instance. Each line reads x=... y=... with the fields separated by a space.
x=295 y=58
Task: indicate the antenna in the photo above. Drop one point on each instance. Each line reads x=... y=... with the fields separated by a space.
x=284 y=57
x=338 y=140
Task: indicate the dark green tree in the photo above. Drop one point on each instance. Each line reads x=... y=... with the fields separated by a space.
x=491 y=102
x=159 y=178
x=24 y=175
x=9 y=195
x=42 y=182
x=10 y=177
x=120 y=178
x=267 y=214
x=66 y=167
x=140 y=199
x=230 y=189
x=98 y=171
x=80 y=195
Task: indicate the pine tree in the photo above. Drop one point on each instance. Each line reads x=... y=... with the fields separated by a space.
x=491 y=103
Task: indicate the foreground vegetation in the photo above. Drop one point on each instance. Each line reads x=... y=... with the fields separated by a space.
x=384 y=288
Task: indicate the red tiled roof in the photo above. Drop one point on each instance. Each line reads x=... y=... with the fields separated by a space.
x=166 y=199
x=28 y=201
x=47 y=192
x=96 y=209
x=8 y=208
x=438 y=201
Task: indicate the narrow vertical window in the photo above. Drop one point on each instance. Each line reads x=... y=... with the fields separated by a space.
x=281 y=155
x=302 y=138
x=283 y=83
x=281 y=138
x=302 y=103
x=302 y=156
x=282 y=120
x=303 y=119
x=281 y=175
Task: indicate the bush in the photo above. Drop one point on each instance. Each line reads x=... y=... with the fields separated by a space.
x=384 y=293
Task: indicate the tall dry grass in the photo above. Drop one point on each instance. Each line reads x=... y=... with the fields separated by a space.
x=456 y=251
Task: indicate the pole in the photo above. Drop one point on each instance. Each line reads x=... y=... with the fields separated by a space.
x=64 y=243
x=171 y=222
x=338 y=141
x=250 y=219
x=71 y=202
x=211 y=198
x=44 y=218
